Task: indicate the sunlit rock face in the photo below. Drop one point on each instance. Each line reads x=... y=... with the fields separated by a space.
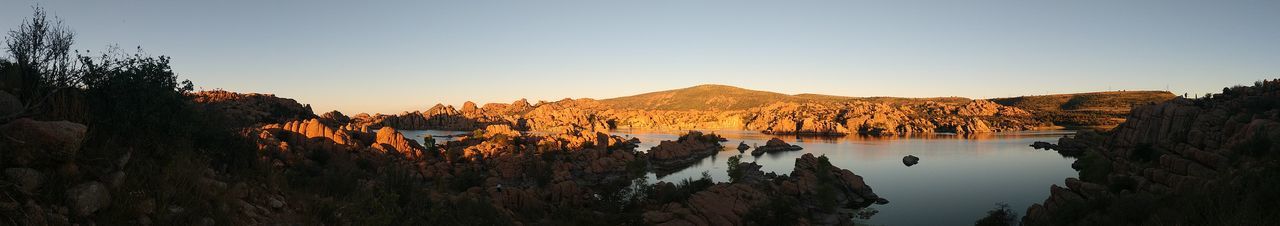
x=715 y=107
x=251 y=108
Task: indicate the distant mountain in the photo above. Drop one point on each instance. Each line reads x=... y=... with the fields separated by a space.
x=722 y=97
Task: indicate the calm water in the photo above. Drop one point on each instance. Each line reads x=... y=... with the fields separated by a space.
x=957 y=180
x=441 y=136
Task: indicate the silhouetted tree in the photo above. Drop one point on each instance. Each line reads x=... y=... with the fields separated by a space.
x=39 y=62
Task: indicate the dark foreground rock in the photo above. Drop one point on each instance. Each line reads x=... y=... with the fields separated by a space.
x=815 y=193
x=1209 y=161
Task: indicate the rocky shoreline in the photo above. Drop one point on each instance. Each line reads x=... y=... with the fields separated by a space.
x=1175 y=163
x=690 y=148
x=785 y=116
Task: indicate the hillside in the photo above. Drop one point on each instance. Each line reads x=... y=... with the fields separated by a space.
x=1097 y=109
x=701 y=97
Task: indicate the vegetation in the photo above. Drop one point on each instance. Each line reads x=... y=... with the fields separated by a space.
x=1002 y=215
x=1085 y=110
x=735 y=174
x=702 y=97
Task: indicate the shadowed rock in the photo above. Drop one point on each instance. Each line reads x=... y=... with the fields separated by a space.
x=910 y=160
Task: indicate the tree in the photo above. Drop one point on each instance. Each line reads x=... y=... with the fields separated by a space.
x=735 y=174
x=39 y=63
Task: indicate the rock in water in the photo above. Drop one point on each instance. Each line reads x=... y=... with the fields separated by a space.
x=88 y=197
x=775 y=145
x=1044 y=145
x=690 y=148
x=910 y=160
x=742 y=147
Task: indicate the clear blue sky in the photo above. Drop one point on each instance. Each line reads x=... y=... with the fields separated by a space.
x=395 y=56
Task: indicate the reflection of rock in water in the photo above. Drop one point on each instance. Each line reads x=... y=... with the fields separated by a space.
x=910 y=160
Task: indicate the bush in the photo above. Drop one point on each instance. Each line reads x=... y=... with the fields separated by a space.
x=1002 y=215
x=735 y=174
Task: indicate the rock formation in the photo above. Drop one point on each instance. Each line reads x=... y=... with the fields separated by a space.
x=246 y=109
x=910 y=160
x=1168 y=162
x=670 y=156
x=775 y=145
x=821 y=192
x=27 y=142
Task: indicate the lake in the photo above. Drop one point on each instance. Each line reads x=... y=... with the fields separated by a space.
x=956 y=182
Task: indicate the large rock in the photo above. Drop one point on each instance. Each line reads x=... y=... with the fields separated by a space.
x=9 y=104
x=691 y=147
x=27 y=179
x=910 y=160
x=390 y=140
x=775 y=145
x=87 y=198
x=28 y=141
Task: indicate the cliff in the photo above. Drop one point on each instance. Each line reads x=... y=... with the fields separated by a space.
x=1208 y=161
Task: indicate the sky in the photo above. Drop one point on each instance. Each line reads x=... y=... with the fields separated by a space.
x=394 y=56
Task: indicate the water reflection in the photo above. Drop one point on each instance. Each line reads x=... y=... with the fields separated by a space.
x=957 y=180
x=440 y=136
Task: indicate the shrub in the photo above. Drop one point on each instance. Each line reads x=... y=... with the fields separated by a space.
x=735 y=174
x=1002 y=215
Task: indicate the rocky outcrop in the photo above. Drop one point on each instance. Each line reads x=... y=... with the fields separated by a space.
x=781 y=117
x=823 y=194
x=775 y=145
x=29 y=142
x=910 y=160
x=88 y=198
x=391 y=141
x=28 y=180
x=245 y=109
x=1181 y=152
x=670 y=156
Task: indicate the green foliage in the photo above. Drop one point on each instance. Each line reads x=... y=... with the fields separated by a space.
x=681 y=191
x=735 y=174
x=136 y=100
x=1001 y=215
x=39 y=60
